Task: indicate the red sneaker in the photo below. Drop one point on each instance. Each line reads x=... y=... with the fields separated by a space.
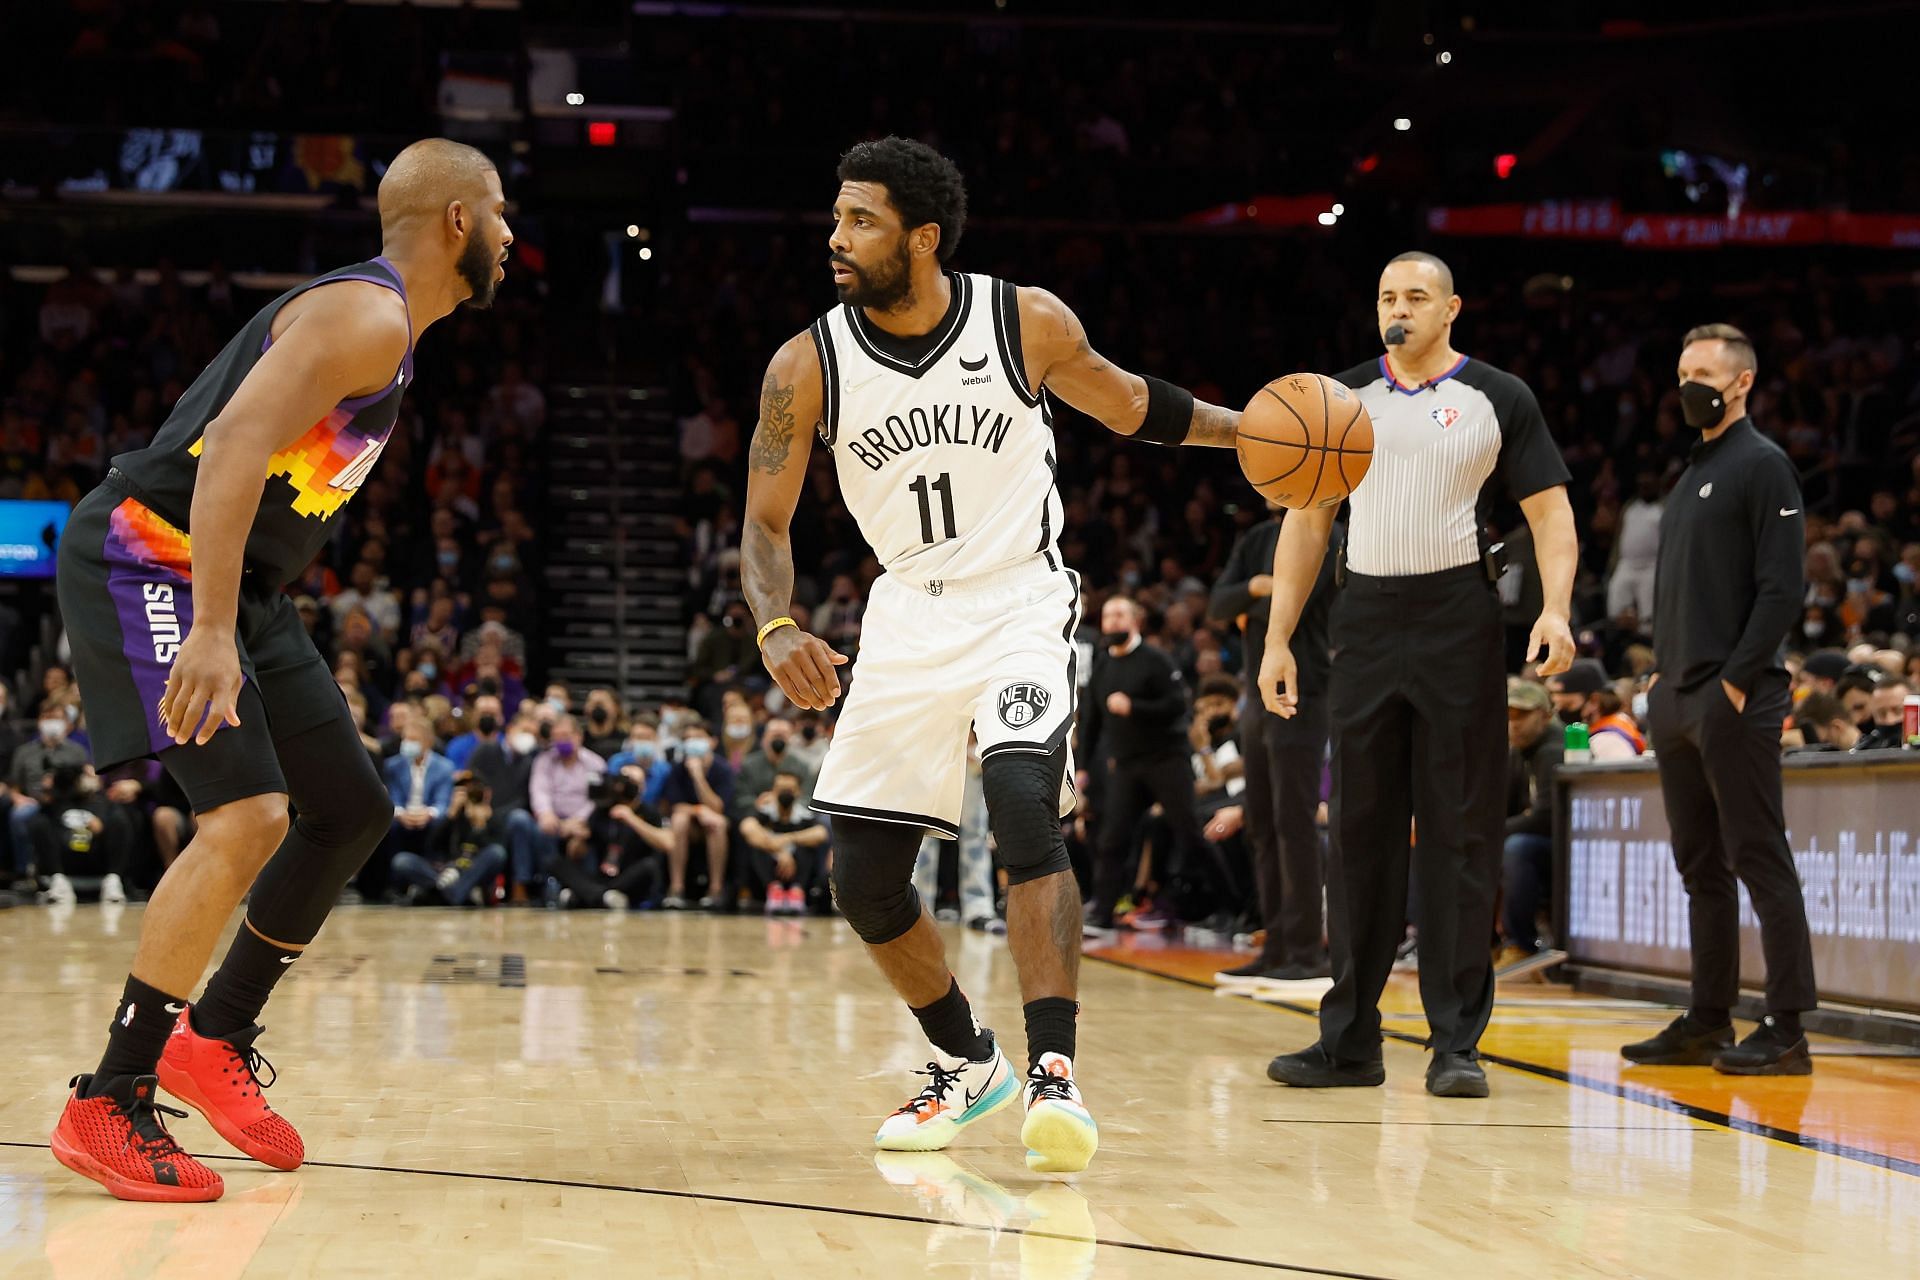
x=119 y=1140
x=218 y=1078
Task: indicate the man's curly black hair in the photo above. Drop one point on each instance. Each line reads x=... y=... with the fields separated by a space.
x=923 y=185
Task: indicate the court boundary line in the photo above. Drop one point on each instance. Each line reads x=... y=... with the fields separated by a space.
x=1625 y=1092
x=881 y=1215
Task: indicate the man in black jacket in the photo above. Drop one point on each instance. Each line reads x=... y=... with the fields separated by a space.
x=1535 y=751
x=1728 y=587
x=1133 y=736
x=1282 y=761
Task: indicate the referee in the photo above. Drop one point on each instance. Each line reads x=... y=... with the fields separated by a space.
x=1418 y=689
x=1727 y=588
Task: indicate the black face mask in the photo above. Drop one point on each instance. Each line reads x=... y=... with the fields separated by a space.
x=1569 y=717
x=1703 y=406
x=488 y=724
x=808 y=732
x=776 y=745
x=1219 y=724
x=1114 y=639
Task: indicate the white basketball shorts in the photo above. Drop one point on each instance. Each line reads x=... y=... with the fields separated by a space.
x=993 y=653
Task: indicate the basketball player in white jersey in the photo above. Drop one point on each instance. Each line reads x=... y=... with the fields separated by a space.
x=929 y=387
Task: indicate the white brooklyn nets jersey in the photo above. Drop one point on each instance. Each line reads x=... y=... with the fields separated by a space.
x=945 y=461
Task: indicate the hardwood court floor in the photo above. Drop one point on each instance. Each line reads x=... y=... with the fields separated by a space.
x=534 y=1094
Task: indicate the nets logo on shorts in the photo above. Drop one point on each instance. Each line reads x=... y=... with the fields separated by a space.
x=1022 y=704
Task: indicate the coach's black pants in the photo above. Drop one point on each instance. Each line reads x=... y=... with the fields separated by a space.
x=1130 y=788
x=1720 y=775
x=1282 y=760
x=1419 y=712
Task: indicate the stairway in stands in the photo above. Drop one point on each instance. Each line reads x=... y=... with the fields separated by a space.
x=614 y=582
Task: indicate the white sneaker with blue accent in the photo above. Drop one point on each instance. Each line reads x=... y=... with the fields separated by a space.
x=1059 y=1131
x=958 y=1092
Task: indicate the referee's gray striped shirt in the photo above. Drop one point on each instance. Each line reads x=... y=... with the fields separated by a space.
x=1436 y=449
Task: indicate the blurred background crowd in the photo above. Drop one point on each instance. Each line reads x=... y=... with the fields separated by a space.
x=1120 y=166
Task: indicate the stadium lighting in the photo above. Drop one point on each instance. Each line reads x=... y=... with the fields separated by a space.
x=646 y=255
x=576 y=99
x=1328 y=219
x=1339 y=211
x=1446 y=57
x=1403 y=124
x=633 y=231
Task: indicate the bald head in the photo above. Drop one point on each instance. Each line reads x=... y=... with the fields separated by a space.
x=1443 y=274
x=441 y=200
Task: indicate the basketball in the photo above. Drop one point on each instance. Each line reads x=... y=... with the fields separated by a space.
x=1305 y=441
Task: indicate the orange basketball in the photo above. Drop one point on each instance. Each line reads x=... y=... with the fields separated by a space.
x=1305 y=441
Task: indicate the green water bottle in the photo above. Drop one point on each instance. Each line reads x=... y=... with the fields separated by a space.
x=1578 y=750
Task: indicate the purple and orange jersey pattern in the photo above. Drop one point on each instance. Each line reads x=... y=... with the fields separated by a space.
x=326 y=466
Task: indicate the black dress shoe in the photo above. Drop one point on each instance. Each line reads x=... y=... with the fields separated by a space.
x=1685 y=1043
x=1311 y=1068
x=1767 y=1052
x=1456 y=1075
x=1301 y=972
x=1255 y=968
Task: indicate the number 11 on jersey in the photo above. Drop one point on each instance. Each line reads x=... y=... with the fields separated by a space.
x=944 y=487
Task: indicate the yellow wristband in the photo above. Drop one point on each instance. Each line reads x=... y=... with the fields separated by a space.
x=771 y=627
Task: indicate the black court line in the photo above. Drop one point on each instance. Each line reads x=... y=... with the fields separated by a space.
x=878 y=1215
x=1625 y=1092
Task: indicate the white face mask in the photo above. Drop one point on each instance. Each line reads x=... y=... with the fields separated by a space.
x=1640 y=707
x=53 y=730
x=523 y=743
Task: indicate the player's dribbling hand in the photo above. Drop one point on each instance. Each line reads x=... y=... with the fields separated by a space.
x=205 y=680
x=1552 y=642
x=1278 y=678
x=802 y=665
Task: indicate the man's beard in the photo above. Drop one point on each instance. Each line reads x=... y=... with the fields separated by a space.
x=881 y=289
x=476 y=267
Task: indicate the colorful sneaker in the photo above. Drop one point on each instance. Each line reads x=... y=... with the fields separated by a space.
x=1060 y=1134
x=219 y=1079
x=958 y=1092
x=119 y=1140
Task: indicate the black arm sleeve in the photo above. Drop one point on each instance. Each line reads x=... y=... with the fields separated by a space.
x=1779 y=570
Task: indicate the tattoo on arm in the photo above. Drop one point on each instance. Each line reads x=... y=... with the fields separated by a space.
x=766 y=571
x=773 y=437
x=1213 y=427
x=1091 y=361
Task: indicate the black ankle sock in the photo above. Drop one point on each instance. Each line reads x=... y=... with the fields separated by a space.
x=950 y=1024
x=1711 y=1019
x=138 y=1035
x=238 y=990
x=1050 y=1026
x=1787 y=1025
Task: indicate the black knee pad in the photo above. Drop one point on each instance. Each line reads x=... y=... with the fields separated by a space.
x=1023 y=808
x=873 y=877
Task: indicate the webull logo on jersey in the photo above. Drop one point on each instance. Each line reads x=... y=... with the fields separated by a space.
x=922 y=428
x=1022 y=704
x=163 y=621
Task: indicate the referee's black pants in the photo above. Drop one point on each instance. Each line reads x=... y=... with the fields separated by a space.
x=1130 y=788
x=1418 y=700
x=1720 y=775
x=1281 y=761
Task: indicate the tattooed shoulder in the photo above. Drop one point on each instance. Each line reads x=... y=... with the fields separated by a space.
x=773 y=437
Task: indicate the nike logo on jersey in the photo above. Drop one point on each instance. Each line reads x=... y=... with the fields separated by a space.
x=1789 y=511
x=354 y=474
x=973 y=366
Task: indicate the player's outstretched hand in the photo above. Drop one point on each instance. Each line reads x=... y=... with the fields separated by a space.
x=1279 y=679
x=802 y=665
x=203 y=689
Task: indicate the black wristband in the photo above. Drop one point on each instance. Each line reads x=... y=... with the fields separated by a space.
x=1169 y=414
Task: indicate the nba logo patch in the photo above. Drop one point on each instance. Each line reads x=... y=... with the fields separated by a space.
x=1022 y=704
x=1446 y=417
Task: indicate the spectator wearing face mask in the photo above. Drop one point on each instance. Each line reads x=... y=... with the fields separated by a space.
x=33 y=763
x=484 y=716
x=789 y=844
x=562 y=788
x=727 y=655
x=77 y=832
x=1886 y=709
x=606 y=723
x=1583 y=695
x=420 y=783
x=465 y=850
x=736 y=735
x=1855 y=689
x=760 y=768
x=809 y=743
x=506 y=766
x=696 y=798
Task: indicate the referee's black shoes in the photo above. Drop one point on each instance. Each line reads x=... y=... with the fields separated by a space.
x=1312 y=1068
x=1687 y=1042
x=1771 y=1050
x=1456 y=1075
